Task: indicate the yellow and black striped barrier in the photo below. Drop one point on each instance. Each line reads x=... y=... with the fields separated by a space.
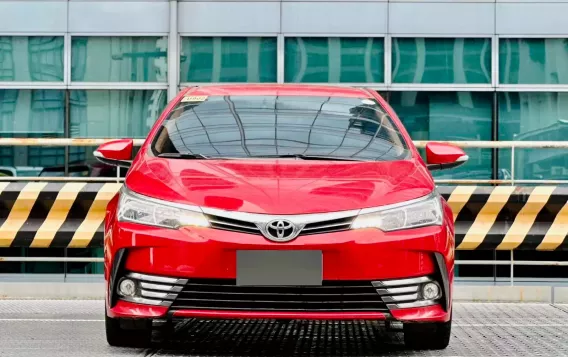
x=71 y=214
x=49 y=214
x=509 y=217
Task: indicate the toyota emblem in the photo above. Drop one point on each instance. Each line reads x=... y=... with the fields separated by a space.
x=281 y=230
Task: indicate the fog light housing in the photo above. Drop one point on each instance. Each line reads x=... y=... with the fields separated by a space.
x=431 y=291
x=127 y=287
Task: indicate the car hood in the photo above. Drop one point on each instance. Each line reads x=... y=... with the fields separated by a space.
x=280 y=186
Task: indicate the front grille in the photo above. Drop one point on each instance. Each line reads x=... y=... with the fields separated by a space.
x=224 y=294
x=234 y=225
x=335 y=225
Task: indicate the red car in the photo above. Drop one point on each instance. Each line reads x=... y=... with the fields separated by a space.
x=279 y=202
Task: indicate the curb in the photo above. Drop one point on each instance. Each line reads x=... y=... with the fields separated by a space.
x=462 y=293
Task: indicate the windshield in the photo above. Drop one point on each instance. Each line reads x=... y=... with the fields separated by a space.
x=273 y=126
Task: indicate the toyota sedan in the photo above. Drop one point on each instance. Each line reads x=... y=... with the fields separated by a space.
x=279 y=202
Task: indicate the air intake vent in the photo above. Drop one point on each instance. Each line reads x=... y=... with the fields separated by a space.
x=224 y=294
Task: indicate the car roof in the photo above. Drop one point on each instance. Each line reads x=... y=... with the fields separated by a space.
x=278 y=89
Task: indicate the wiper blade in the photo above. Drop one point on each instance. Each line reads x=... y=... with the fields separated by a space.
x=311 y=157
x=175 y=155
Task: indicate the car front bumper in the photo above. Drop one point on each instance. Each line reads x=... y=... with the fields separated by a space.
x=367 y=274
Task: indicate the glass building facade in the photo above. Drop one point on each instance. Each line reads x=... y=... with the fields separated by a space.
x=112 y=78
x=441 y=89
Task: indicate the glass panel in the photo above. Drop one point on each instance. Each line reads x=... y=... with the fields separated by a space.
x=533 y=61
x=228 y=59
x=57 y=268
x=441 y=60
x=450 y=116
x=119 y=59
x=82 y=163
x=44 y=267
x=31 y=59
x=32 y=267
x=470 y=271
x=85 y=267
x=115 y=113
x=534 y=117
x=12 y=267
x=31 y=114
x=334 y=60
x=30 y=161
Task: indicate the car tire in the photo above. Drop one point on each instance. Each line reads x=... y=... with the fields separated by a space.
x=119 y=336
x=427 y=336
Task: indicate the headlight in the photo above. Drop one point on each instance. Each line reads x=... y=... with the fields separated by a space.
x=416 y=213
x=138 y=209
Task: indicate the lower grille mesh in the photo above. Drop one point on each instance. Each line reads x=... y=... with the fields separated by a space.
x=221 y=294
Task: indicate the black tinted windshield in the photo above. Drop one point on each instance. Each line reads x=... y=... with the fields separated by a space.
x=257 y=126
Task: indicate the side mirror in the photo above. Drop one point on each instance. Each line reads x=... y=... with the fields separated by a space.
x=441 y=156
x=116 y=152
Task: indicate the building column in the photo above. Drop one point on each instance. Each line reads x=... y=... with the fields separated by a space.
x=173 y=52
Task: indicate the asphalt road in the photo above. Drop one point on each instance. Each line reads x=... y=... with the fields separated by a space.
x=76 y=328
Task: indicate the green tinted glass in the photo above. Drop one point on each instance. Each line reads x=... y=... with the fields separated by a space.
x=536 y=116
x=228 y=59
x=115 y=113
x=32 y=113
x=119 y=59
x=450 y=116
x=533 y=61
x=334 y=60
x=31 y=161
x=52 y=267
x=31 y=59
x=441 y=60
x=85 y=267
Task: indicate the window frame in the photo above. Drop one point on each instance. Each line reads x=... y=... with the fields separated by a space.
x=113 y=85
x=40 y=85
x=502 y=87
x=181 y=35
x=445 y=87
x=379 y=86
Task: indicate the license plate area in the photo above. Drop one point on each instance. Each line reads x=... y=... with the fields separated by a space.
x=278 y=267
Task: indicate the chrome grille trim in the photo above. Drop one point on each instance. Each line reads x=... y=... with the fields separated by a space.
x=157 y=295
x=327 y=226
x=213 y=221
x=401 y=282
x=404 y=293
x=144 y=301
x=395 y=298
x=160 y=287
x=154 y=290
x=253 y=223
x=422 y=303
x=404 y=290
x=157 y=279
x=258 y=218
x=230 y=224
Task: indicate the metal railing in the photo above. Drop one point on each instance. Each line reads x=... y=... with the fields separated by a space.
x=419 y=144
x=511 y=263
x=80 y=142
x=471 y=144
